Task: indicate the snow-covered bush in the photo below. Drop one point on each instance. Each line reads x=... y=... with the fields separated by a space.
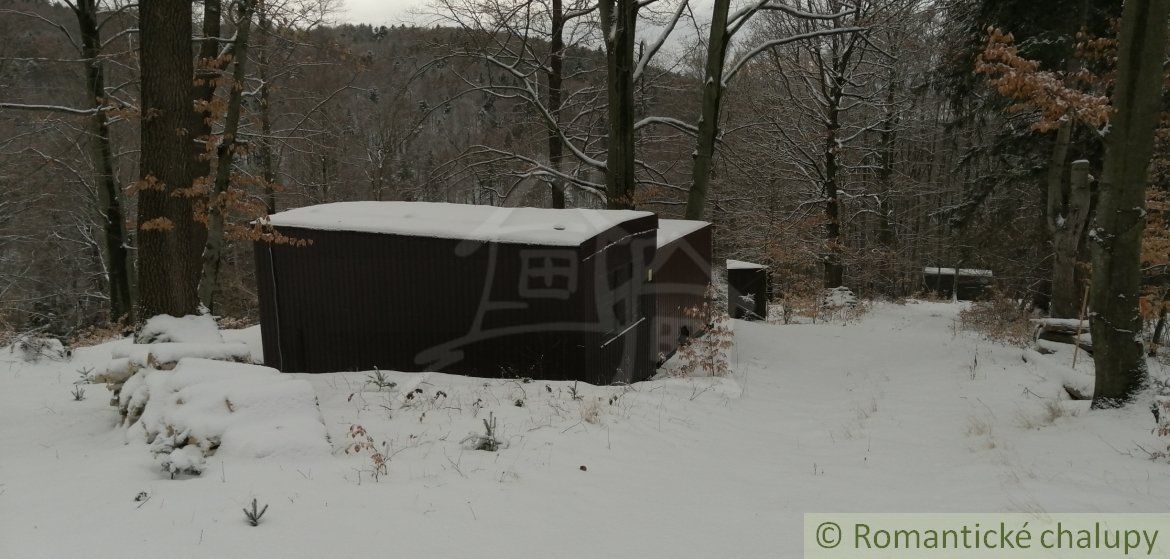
x=839 y=297
x=32 y=349
x=202 y=407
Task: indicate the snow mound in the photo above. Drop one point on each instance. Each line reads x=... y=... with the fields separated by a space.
x=32 y=349
x=190 y=329
x=164 y=355
x=839 y=297
x=205 y=407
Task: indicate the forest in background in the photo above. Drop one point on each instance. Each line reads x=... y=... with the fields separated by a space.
x=843 y=142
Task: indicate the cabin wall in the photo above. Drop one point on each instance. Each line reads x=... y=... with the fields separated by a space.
x=682 y=272
x=356 y=301
x=747 y=293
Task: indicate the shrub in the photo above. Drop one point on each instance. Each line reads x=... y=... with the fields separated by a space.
x=999 y=319
x=707 y=353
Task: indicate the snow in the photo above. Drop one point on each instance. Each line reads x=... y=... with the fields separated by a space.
x=164 y=353
x=936 y=271
x=671 y=230
x=1062 y=323
x=246 y=411
x=536 y=226
x=839 y=297
x=194 y=329
x=741 y=265
x=896 y=411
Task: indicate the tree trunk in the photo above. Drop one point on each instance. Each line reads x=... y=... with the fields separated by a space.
x=267 y=160
x=555 y=76
x=1064 y=301
x=1120 y=218
x=168 y=234
x=207 y=72
x=225 y=157
x=708 y=133
x=618 y=21
x=119 y=268
x=834 y=271
x=1066 y=243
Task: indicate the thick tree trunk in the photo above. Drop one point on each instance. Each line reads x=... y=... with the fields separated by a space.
x=1120 y=217
x=168 y=234
x=708 y=133
x=119 y=268
x=556 y=148
x=619 y=21
x=225 y=158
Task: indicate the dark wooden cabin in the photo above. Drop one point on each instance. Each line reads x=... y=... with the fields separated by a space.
x=747 y=290
x=474 y=290
x=682 y=272
x=968 y=284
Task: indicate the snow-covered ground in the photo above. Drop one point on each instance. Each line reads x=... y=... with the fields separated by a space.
x=898 y=412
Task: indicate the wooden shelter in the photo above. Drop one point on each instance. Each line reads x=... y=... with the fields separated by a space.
x=964 y=284
x=747 y=290
x=475 y=290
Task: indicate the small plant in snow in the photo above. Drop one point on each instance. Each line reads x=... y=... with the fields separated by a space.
x=253 y=516
x=363 y=442
x=591 y=412
x=1161 y=410
x=573 y=393
x=85 y=375
x=78 y=393
x=707 y=354
x=486 y=441
x=380 y=380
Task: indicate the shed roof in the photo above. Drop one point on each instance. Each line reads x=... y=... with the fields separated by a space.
x=937 y=271
x=741 y=265
x=536 y=226
x=671 y=230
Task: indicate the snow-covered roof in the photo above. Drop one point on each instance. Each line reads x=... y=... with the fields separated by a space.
x=936 y=271
x=537 y=226
x=741 y=265
x=670 y=230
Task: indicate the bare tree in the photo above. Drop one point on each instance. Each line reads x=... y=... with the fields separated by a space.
x=91 y=18
x=219 y=202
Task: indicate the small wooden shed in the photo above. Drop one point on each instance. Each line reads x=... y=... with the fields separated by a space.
x=964 y=284
x=475 y=290
x=747 y=290
x=682 y=272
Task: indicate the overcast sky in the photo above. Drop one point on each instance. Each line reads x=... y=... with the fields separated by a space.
x=380 y=12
